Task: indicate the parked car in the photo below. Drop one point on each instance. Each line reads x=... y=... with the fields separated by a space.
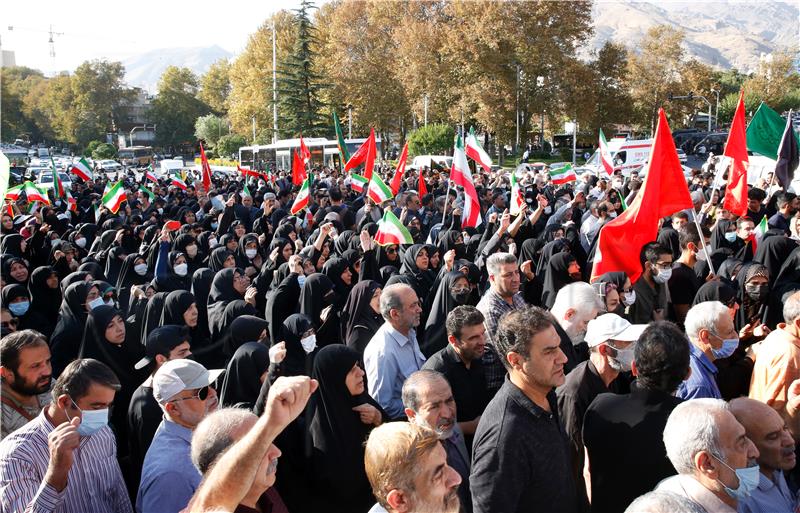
x=110 y=166
x=45 y=179
x=682 y=156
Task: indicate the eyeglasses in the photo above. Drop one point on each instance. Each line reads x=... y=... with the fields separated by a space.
x=391 y=251
x=202 y=394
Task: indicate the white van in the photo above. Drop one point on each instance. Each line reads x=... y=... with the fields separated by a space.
x=421 y=161
x=168 y=166
x=626 y=155
x=43 y=153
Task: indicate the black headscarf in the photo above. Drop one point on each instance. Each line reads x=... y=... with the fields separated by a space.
x=718 y=240
x=7 y=263
x=333 y=269
x=222 y=293
x=128 y=277
x=44 y=299
x=548 y=251
x=387 y=272
x=28 y=320
x=242 y=382
x=201 y=287
x=423 y=278
x=292 y=331
x=176 y=304
x=217 y=259
x=75 y=277
x=114 y=261
x=11 y=245
x=443 y=304
x=67 y=336
x=772 y=253
x=337 y=433
x=243 y=329
x=618 y=278
x=556 y=277
x=152 y=315
x=749 y=311
x=715 y=291
x=315 y=295
x=358 y=313
x=94 y=269
x=282 y=301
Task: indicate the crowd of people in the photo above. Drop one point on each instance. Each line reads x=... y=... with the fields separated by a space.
x=205 y=349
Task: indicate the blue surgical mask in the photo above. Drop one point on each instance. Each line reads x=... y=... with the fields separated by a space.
x=92 y=421
x=19 y=309
x=748 y=477
x=730 y=236
x=95 y=303
x=729 y=345
x=301 y=280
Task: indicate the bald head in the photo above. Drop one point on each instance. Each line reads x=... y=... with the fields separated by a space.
x=768 y=431
x=750 y=413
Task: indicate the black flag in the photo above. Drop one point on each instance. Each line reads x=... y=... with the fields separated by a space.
x=788 y=155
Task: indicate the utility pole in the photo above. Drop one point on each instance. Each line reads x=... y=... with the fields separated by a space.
x=254 y=128
x=516 y=147
x=574 y=140
x=274 y=87
x=349 y=121
x=716 y=110
x=426 y=109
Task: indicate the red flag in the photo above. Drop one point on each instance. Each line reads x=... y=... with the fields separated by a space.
x=304 y=153
x=400 y=170
x=663 y=193
x=172 y=225
x=364 y=155
x=298 y=169
x=206 y=169
x=736 y=148
x=423 y=190
x=248 y=172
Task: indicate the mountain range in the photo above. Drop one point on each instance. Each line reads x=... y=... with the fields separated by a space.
x=724 y=34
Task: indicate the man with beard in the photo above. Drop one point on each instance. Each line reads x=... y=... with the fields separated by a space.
x=429 y=403
x=26 y=374
x=520 y=459
x=407 y=468
x=576 y=304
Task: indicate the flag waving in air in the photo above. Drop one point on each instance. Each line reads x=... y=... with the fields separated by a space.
x=344 y=155
x=461 y=175
x=736 y=148
x=358 y=182
x=378 y=191
x=399 y=170
x=517 y=200
x=206 y=168
x=391 y=231
x=58 y=187
x=564 y=174
x=114 y=198
x=303 y=197
x=605 y=155
x=663 y=193
x=82 y=169
x=365 y=154
x=304 y=152
x=299 y=173
x=149 y=174
x=476 y=152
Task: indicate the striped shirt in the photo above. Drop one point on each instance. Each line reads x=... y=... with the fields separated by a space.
x=94 y=483
x=493 y=307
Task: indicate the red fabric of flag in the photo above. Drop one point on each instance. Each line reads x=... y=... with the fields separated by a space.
x=736 y=149
x=423 y=189
x=365 y=154
x=399 y=170
x=663 y=193
x=304 y=152
x=298 y=169
x=206 y=168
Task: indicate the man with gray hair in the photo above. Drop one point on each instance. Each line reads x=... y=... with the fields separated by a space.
x=712 y=334
x=502 y=297
x=219 y=431
x=576 y=304
x=663 y=502
x=429 y=402
x=393 y=353
x=715 y=460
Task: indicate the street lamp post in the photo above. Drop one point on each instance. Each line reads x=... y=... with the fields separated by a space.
x=516 y=147
x=426 y=109
x=716 y=110
x=349 y=121
x=274 y=88
x=691 y=96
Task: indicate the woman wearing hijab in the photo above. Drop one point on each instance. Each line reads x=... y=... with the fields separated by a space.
x=228 y=285
x=15 y=271
x=415 y=264
x=246 y=328
x=562 y=269
x=186 y=243
x=94 y=269
x=45 y=297
x=180 y=309
x=548 y=251
x=172 y=269
x=244 y=375
x=772 y=252
x=283 y=299
x=248 y=256
x=342 y=415
x=133 y=272
x=201 y=287
x=453 y=291
x=724 y=236
x=79 y=298
x=221 y=258
x=361 y=316
x=152 y=314
x=13 y=244
x=17 y=300
x=114 y=261
x=317 y=301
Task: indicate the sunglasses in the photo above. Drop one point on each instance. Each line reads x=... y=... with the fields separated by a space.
x=202 y=394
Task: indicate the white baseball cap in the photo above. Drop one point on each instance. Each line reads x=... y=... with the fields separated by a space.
x=175 y=376
x=612 y=327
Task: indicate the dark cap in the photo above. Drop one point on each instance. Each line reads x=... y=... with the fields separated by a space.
x=161 y=341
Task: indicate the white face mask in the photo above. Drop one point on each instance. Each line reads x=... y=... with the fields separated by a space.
x=309 y=343
x=53 y=242
x=181 y=269
x=700 y=255
x=629 y=298
x=140 y=269
x=663 y=276
x=81 y=243
x=212 y=243
x=94 y=303
x=251 y=253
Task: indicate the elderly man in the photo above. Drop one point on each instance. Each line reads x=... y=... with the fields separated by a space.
x=778 y=359
x=407 y=468
x=520 y=455
x=765 y=427
x=503 y=296
x=610 y=339
x=393 y=353
x=220 y=430
x=576 y=304
x=715 y=460
x=26 y=372
x=184 y=392
x=460 y=362
x=622 y=433
x=429 y=403
x=65 y=459
x=712 y=335
x=663 y=502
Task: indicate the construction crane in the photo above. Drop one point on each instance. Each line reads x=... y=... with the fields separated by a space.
x=50 y=32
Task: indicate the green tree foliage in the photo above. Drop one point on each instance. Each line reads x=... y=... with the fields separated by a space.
x=15 y=84
x=104 y=151
x=210 y=128
x=434 y=139
x=611 y=97
x=300 y=84
x=176 y=107
x=87 y=152
x=215 y=86
x=229 y=145
x=98 y=93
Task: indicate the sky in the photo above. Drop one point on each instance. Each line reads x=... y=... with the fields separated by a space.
x=91 y=29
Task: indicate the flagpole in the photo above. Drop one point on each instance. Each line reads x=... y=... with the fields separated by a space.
x=446 y=199
x=703 y=244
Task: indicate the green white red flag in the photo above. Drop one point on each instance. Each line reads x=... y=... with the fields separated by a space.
x=303 y=197
x=149 y=174
x=58 y=187
x=72 y=202
x=378 y=191
x=178 y=182
x=358 y=182
x=114 y=198
x=13 y=192
x=461 y=175
x=564 y=174
x=344 y=155
x=517 y=200
x=34 y=193
x=476 y=152
x=147 y=191
x=391 y=231
x=82 y=169
x=758 y=233
x=605 y=155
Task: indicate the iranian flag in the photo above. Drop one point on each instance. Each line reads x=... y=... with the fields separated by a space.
x=97 y=214
x=517 y=200
x=476 y=152
x=563 y=174
x=147 y=191
x=13 y=192
x=248 y=172
x=34 y=193
x=246 y=192
x=391 y=231
x=461 y=175
x=149 y=174
x=114 y=198
x=72 y=202
x=758 y=233
x=82 y=169
x=358 y=182
x=58 y=187
x=301 y=201
x=178 y=182
x=605 y=155
x=378 y=191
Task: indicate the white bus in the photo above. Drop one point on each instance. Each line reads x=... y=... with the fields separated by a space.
x=278 y=155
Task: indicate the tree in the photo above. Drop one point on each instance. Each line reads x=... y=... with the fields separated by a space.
x=98 y=92
x=16 y=83
x=613 y=104
x=654 y=72
x=300 y=84
x=434 y=139
x=215 y=86
x=210 y=128
x=104 y=151
x=51 y=103
x=229 y=144
x=776 y=75
x=176 y=107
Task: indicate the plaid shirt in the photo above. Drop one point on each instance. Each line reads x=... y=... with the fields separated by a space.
x=493 y=307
